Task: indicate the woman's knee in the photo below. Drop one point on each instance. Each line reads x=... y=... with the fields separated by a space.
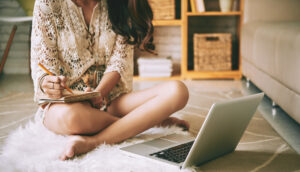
x=71 y=119
x=60 y=119
x=178 y=92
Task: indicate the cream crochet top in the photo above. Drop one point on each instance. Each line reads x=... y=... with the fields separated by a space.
x=64 y=44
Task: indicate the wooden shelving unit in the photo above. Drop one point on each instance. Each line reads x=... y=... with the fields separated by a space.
x=213 y=75
x=167 y=22
x=211 y=21
x=174 y=77
x=214 y=13
x=216 y=20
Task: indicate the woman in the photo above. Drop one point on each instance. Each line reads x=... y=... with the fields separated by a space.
x=88 y=45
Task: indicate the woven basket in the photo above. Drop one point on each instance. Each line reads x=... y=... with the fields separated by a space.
x=212 y=52
x=163 y=9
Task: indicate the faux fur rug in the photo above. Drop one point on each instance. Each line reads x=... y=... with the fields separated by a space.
x=34 y=148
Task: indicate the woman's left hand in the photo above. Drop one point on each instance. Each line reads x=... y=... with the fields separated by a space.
x=96 y=102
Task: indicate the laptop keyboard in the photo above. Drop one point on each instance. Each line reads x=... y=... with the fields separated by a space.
x=175 y=154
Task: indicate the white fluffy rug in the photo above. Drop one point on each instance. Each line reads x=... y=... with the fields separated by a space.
x=34 y=148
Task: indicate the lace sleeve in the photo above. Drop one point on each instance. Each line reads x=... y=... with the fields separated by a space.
x=121 y=61
x=43 y=43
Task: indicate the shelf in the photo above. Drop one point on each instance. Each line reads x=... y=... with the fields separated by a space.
x=175 y=77
x=213 y=21
x=215 y=13
x=167 y=22
x=235 y=74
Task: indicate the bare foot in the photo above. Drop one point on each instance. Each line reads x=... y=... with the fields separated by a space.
x=175 y=121
x=77 y=145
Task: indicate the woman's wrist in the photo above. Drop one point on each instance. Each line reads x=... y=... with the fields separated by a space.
x=41 y=80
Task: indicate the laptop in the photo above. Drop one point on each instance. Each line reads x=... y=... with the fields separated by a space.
x=219 y=135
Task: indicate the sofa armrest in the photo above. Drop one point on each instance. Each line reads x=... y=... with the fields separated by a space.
x=271 y=10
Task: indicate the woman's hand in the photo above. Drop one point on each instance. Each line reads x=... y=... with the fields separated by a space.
x=54 y=86
x=96 y=102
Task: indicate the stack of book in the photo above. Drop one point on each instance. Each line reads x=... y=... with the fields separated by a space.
x=155 y=66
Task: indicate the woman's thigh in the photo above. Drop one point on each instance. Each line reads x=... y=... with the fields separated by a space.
x=76 y=118
x=176 y=90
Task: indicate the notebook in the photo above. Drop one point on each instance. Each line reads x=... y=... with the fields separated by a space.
x=69 y=98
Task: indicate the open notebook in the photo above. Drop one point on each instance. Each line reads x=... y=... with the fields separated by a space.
x=69 y=98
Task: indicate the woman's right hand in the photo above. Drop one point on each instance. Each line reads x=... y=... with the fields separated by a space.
x=54 y=86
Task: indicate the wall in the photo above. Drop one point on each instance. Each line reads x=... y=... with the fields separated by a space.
x=167 y=40
x=17 y=61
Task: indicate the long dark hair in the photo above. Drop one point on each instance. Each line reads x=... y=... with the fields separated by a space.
x=132 y=19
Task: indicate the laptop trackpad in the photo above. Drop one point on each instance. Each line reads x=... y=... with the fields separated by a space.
x=159 y=143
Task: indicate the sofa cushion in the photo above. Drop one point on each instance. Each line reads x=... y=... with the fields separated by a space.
x=271 y=10
x=274 y=48
x=287 y=99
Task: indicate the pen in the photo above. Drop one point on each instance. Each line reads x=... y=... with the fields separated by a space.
x=46 y=70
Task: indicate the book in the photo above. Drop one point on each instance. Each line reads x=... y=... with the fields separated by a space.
x=145 y=70
x=154 y=60
x=200 y=5
x=193 y=6
x=152 y=67
x=235 y=5
x=69 y=98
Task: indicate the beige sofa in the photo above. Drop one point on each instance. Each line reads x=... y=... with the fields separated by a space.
x=270 y=49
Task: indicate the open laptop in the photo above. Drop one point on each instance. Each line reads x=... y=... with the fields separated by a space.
x=220 y=134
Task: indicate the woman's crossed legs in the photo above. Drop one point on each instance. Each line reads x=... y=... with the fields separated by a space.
x=127 y=116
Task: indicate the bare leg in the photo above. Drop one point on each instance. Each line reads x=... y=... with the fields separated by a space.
x=77 y=118
x=127 y=103
x=159 y=103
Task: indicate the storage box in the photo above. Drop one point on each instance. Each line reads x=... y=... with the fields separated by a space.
x=212 y=52
x=163 y=9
